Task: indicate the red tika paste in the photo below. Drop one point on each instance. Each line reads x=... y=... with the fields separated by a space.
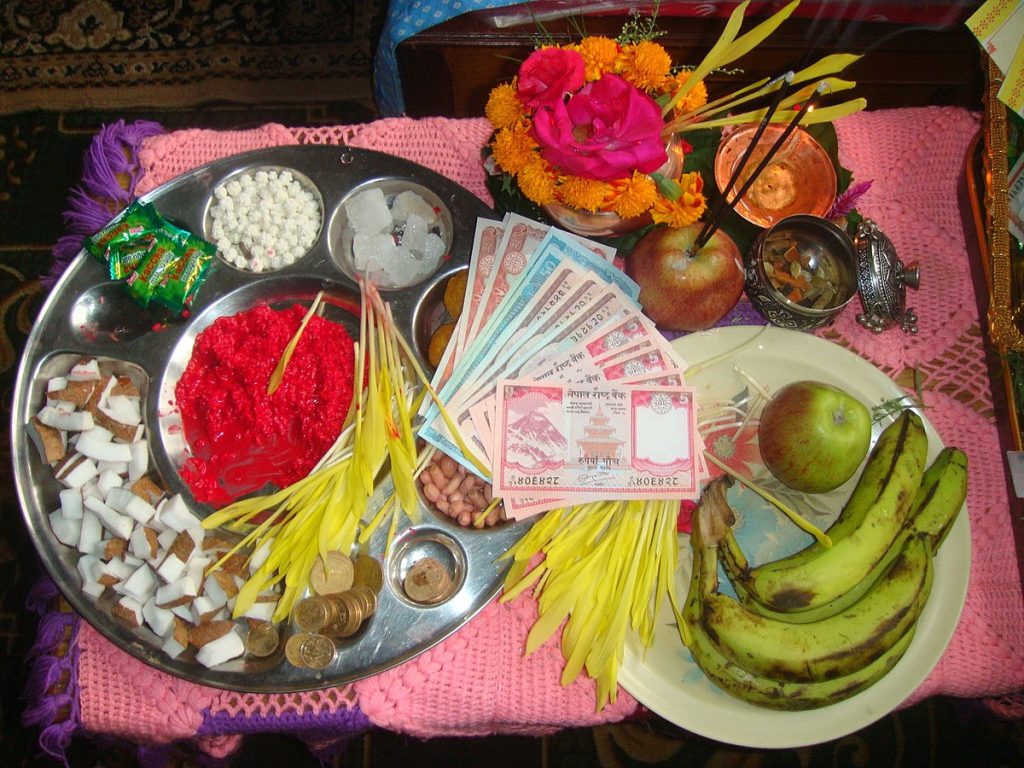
x=240 y=439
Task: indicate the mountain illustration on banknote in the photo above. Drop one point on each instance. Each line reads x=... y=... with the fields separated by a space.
x=533 y=441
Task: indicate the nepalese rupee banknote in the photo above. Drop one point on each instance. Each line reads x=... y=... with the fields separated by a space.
x=577 y=443
x=509 y=325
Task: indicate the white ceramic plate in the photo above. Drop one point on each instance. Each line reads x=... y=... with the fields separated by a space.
x=666 y=680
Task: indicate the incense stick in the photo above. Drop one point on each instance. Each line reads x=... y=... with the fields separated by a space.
x=714 y=224
x=781 y=92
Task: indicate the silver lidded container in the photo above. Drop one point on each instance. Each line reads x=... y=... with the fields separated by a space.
x=883 y=281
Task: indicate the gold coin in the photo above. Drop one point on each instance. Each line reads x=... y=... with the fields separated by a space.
x=427 y=581
x=317 y=651
x=368 y=572
x=349 y=612
x=313 y=613
x=293 y=649
x=455 y=293
x=262 y=639
x=438 y=343
x=367 y=599
x=331 y=574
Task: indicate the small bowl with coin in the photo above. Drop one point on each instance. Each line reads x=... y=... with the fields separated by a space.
x=799 y=178
x=802 y=272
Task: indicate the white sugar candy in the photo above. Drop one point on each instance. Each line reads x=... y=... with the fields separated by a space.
x=67 y=530
x=368 y=211
x=224 y=648
x=408 y=203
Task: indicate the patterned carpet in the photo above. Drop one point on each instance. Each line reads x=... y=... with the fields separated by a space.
x=79 y=62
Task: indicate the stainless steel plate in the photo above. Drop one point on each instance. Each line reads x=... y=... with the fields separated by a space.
x=89 y=315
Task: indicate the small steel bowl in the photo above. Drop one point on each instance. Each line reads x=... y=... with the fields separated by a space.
x=811 y=294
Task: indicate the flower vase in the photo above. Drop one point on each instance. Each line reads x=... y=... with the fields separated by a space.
x=607 y=223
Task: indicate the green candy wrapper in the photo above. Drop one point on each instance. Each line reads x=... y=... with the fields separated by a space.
x=142 y=284
x=185 y=275
x=135 y=221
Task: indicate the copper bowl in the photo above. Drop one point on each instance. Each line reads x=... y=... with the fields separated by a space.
x=799 y=179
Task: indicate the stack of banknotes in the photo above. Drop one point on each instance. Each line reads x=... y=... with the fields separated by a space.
x=561 y=390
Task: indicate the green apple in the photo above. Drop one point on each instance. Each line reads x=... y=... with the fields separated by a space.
x=813 y=435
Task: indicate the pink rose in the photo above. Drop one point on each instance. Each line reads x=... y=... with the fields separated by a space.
x=605 y=131
x=547 y=75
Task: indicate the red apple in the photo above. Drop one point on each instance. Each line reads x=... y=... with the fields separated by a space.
x=683 y=292
x=813 y=435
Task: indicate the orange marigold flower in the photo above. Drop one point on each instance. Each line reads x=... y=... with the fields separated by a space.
x=687 y=208
x=599 y=55
x=634 y=195
x=537 y=181
x=584 y=194
x=645 y=65
x=696 y=97
x=503 y=107
x=513 y=148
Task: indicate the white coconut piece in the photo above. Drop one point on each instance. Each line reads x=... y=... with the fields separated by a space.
x=92 y=532
x=204 y=610
x=183 y=611
x=119 y=468
x=175 y=641
x=124 y=501
x=197 y=567
x=175 y=514
x=171 y=568
x=78 y=472
x=175 y=592
x=93 y=589
x=225 y=648
x=134 y=562
x=56 y=384
x=101 y=447
x=86 y=370
x=66 y=530
x=141 y=584
x=160 y=620
x=68 y=421
x=260 y=555
x=107 y=480
x=143 y=543
x=214 y=592
x=166 y=537
x=118 y=524
x=71 y=503
x=92 y=489
x=139 y=464
x=118 y=568
x=261 y=611
x=86 y=567
x=122 y=409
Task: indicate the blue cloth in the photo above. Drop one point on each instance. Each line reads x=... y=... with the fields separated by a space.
x=405 y=18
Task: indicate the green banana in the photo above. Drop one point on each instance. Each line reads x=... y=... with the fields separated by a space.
x=757 y=689
x=832 y=647
x=883 y=466
x=807 y=583
x=935 y=508
x=940 y=497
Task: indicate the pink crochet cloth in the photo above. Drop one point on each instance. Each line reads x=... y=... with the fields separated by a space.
x=477 y=681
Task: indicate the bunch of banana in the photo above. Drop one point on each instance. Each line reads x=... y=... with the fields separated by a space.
x=823 y=624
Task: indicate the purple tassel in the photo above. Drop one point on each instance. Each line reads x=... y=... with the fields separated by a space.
x=56 y=714
x=847 y=201
x=101 y=193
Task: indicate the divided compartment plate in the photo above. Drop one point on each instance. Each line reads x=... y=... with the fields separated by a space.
x=87 y=315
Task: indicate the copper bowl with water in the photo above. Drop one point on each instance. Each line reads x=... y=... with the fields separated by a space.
x=800 y=177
